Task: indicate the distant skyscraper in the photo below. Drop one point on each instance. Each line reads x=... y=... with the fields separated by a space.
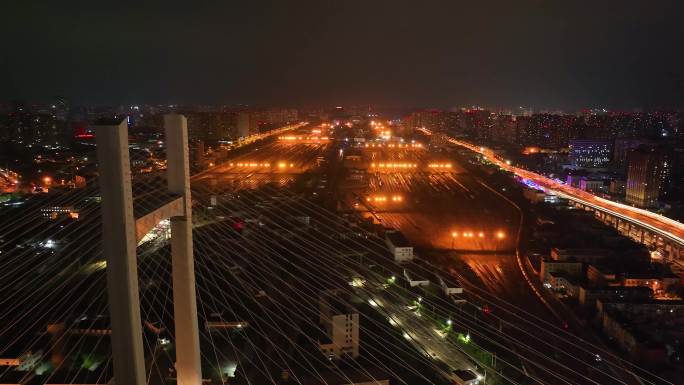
x=646 y=175
x=622 y=149
x=246 y=124
x=211 y=126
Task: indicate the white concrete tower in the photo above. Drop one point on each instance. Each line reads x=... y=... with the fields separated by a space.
x=122 y=232
x=119 y=242
x=188 y=367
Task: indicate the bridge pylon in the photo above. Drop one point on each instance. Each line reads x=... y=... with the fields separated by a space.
x=121 y=232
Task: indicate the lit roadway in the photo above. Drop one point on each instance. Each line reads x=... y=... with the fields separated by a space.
x=420 y=331
x=659 y=224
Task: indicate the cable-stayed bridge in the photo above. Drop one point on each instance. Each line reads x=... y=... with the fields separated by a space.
x=253 y=279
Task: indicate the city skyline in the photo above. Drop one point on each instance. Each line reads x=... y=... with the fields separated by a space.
x=342 y=193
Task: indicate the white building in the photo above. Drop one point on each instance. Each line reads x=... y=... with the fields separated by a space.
x=340 y=321
x=415 y=275
x=399 y=246
x=449 y=284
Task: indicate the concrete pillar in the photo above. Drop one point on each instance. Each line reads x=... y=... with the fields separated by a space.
x=188 y=367
x=119 y=242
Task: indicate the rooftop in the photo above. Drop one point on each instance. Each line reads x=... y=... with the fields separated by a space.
x=338 y=302
x=417 y=272
x=397 y=239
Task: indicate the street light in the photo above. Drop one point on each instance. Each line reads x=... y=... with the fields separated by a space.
x=453 y=236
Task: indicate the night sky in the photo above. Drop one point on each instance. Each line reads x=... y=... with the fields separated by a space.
x=565 y=54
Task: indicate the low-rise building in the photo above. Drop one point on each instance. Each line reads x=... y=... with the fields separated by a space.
x=534 y=195
x=416 y=275
x=570 y=268
x=600 y=275
x=55 y=212
x=579 y=254
x=618 y=187
x=399 y=246
x=449 y=284
x=646 y=330
x=654 y=280
x=592 y=185
x=560 y=281
x=587 y=296
x=631 y=339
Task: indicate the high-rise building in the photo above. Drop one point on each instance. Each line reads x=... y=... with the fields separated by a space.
x=504 y=130
x=590 y=153
x=430 y=119
x=647 y=172
x=622 y=148
x=675 y=177
x=340 y=321
x=211 y=126
x=246 y=124
x=250 y=122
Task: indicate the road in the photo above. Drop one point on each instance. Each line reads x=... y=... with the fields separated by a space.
x=420 y=331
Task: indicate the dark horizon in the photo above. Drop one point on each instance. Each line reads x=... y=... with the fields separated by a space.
x=569 y=56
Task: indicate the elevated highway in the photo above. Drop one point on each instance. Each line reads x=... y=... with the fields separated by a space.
x=661 y=232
